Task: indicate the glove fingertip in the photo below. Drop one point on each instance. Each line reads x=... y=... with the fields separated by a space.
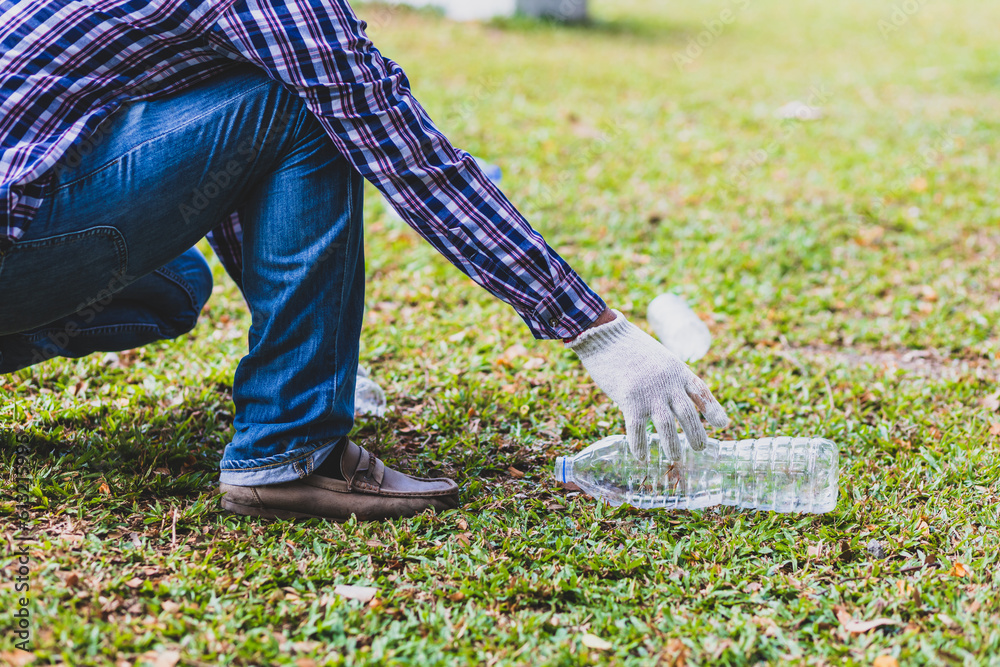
x=717 y=417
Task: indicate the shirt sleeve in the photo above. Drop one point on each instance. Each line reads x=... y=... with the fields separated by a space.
x=319 y=50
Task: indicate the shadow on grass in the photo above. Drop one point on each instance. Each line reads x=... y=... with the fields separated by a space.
x=94 y=456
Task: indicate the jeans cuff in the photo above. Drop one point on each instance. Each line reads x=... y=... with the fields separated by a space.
x=253 y=473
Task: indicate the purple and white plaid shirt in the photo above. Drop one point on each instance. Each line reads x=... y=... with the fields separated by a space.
x=66 y=65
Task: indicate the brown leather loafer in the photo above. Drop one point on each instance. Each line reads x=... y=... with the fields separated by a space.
x=371 y=491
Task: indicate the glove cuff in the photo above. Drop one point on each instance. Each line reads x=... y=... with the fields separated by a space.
x=601 y=337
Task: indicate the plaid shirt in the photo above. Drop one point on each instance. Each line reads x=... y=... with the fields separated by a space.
x=65 y=65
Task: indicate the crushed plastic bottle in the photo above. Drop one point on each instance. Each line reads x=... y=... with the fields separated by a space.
x=369 y=399
x=493 y=172
x=782 y=473
x=678 y=328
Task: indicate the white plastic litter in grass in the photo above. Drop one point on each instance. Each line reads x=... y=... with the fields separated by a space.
x=799 y=111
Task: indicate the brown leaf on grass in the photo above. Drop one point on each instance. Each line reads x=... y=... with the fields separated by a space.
x=363 y=593
x=533 y=363
x=675 y=654
x=869 y=236
x=928 y=293
x=513 y=352
x=134 y=582
x=16 y=658
x=959 y=570
x=164 y=659
x=885 y=661
x=994 y=428
x=947 y=620
x=595 y=642
x=991 y=402
x=104 y=488
x=463 y=524
x=569 y=486
x=752 y=587
x=860 y=627
x=514 y=472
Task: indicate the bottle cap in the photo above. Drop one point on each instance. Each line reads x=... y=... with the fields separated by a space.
x=561 y=469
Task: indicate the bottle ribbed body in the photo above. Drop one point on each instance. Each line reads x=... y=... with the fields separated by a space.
x=782 y=473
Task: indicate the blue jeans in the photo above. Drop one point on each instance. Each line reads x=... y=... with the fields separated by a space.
x=108 y=263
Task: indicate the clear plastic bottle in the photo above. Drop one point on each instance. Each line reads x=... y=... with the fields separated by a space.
x=782 y=473
x=678 y=328
x=369 y=399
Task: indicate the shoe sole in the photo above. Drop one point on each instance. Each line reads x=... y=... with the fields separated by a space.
x=265 y=513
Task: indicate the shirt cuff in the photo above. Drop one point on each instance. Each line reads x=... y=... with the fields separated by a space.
x=567 y=311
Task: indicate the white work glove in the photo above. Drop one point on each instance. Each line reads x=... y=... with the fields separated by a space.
x=647 y=382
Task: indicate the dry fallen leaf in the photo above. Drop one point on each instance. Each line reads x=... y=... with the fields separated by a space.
x=885 y=661
x=868 y=236
x=994 y=428
x=514 y=472
x=860 y=627
x=134 y=582
x=533 y=363
x=675 y=655
x=928 y=293
x=104 y=488
x=16 y=658
x=595 y=642
x=513 y=352
x=991 y=402
x=168 y=659
x=463 y=524
x=959 y=570
x=363 y=593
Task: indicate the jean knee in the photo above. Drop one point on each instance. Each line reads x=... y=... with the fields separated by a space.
x=194 y=274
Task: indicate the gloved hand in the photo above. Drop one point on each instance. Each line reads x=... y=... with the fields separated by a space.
x=647 y=382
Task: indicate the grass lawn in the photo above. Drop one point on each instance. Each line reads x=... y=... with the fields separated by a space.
x=849 y=268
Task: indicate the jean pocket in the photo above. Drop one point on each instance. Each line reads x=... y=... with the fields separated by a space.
x=44 y=279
